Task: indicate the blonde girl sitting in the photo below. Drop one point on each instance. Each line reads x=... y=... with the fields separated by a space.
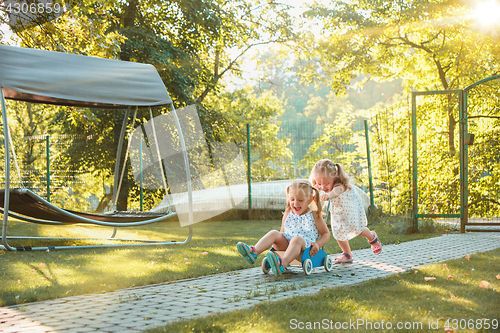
x=347 y=211
x=301 y=228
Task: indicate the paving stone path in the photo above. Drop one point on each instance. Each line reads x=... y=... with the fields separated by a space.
x=139 y=308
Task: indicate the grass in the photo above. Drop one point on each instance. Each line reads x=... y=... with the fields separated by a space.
x=454 y=300
x=29 y=276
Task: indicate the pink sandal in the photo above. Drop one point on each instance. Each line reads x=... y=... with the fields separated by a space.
x=376 y=248
x=344 y=258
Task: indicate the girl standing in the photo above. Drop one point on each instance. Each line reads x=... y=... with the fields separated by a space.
x=301 y=228
x=348 y=215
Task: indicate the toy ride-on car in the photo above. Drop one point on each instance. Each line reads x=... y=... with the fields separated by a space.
x=307 y=262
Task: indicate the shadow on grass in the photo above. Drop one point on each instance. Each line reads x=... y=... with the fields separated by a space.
x=30 y=276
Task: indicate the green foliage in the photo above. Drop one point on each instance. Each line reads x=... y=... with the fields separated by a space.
x=375 y=214
x=270 y=159
x=82 y=29
x=197 y=42
x=336 y=140
x=30 y=126
x=192 y=43
x=484 y=177
x=326 y=83
x=423 y=42
x=310 y=106
x=389 y=140
x=403 y=225
x=428 y=45
x=176 y=66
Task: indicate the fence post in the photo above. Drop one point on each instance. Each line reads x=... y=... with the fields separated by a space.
x=369 y=164
x=140 y=182
x=47 y=141
x=414 y=159
x=464 y=156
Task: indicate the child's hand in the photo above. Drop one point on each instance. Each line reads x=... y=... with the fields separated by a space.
x=323 y=196
x=314 y=249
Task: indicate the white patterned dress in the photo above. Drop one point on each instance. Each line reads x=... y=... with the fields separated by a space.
x=348 y=215
x=303 y=226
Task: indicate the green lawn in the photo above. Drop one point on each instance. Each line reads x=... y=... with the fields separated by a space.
x=40 y=275
x=406 y=302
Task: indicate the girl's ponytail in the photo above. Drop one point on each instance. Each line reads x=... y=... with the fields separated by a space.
x=343 y=176
x=319 y=207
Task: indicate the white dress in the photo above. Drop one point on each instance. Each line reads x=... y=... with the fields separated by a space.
x=348 y=215
x=301 y=225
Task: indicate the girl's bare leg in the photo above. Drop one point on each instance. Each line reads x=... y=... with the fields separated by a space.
x=272 y=238
x=344 y=246
x=366 y=233
x=297 y=245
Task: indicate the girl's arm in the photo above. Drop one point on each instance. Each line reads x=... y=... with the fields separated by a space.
x=284 y=219
x=336 y=191
x=324 y=232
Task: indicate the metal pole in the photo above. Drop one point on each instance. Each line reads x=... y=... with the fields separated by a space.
x=414 y=158
x=369 y=163
x=47 y=142
x=7 y=173
x=463 y=160
x=249 y=173
x=140 y=181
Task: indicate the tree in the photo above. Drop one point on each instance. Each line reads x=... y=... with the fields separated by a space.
x=208 y=37
x=430 y=45
x=426 y=43
x=192 y=43
x=389 y=139
x=270 y=157
x=28 y=134
x=79 y=27
x=335 y=118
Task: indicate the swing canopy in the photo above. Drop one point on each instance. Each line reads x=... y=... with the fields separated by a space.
x=48 y=77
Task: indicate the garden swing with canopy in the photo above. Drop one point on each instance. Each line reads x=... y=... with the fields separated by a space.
x=47 y=77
